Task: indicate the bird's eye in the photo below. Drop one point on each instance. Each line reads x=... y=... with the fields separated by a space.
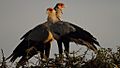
x=50 y=9
x=62 y=4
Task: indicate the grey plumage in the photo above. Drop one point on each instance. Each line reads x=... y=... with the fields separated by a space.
x=80 y=36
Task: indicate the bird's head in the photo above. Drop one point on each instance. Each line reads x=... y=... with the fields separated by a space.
x=60 y=5
x=58 y=8
x=50 y=11
x=51 y=15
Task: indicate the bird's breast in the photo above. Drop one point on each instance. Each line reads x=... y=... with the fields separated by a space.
x=49 y=38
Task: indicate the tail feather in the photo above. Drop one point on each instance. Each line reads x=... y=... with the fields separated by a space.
x=83 y=37
x=80 y=33
x=9 y=57
x=96 y=42
x=13 y=58
x=19 y=51
x=81 y=30
x=28 y=54
x=25 y=35
x=88 y=44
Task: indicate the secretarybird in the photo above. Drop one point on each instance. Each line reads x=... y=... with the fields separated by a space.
x=80 y=36
x=37 y=39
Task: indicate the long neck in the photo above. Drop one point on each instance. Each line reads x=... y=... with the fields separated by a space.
x=52 y=18
x=58 y=13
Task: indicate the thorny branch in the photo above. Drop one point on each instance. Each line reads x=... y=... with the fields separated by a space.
x=105 y=58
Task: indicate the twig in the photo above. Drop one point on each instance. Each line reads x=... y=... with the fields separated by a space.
x=3 y=60
x=84 y=56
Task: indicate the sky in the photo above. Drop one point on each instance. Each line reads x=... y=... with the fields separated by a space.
x=99 y=17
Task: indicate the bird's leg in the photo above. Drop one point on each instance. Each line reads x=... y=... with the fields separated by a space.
x=66 y=45
x=47 y=50
x=59 y=42
x=42 y=53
